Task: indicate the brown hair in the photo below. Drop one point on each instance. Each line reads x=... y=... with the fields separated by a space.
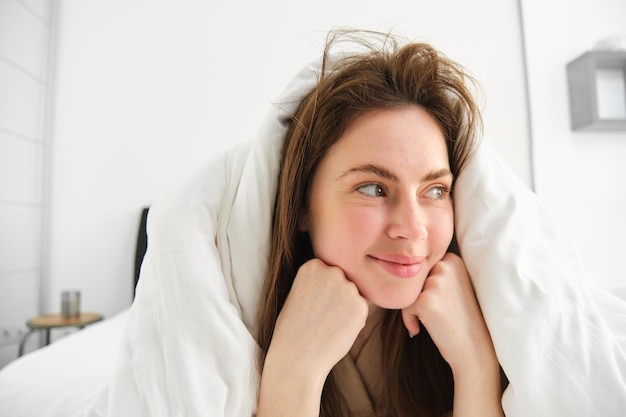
x=383 y=73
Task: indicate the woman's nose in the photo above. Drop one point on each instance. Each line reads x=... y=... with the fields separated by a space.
x=407 y=220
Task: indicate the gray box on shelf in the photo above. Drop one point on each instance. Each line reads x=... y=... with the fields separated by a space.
x=583 y=93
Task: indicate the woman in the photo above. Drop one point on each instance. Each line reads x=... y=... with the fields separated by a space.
x=366 y=312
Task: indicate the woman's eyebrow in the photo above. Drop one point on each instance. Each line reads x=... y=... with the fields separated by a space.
x=373 y=169
x=436 y=174
x=387 y=174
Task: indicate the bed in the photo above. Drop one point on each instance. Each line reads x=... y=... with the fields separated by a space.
x=64 y=378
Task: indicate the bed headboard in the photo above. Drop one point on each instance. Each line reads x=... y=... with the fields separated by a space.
x=142 y=244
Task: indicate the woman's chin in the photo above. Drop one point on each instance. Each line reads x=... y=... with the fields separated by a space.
x=395 y=301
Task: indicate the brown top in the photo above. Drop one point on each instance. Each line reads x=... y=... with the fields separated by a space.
x=49 y=321
x=359 y=380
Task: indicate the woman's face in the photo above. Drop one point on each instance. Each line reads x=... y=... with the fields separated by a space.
x=380 y=206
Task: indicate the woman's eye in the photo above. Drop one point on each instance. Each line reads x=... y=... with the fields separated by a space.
x=437 y=193
x=374 y=190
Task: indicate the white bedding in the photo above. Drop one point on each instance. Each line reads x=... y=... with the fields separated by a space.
x=559 y=336
x=63 y=378
x=188 y=348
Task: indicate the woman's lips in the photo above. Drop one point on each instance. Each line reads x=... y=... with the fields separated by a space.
x=401 y=266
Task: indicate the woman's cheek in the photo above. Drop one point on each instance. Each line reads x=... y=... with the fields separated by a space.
x=442 y=232
x=363 y=221
x=346 y=236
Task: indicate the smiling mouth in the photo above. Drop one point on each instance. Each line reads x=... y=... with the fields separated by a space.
x=401 y=266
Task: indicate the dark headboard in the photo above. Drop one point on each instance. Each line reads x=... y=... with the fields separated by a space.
x=142 y=244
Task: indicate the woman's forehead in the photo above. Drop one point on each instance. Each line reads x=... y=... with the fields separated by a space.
x=407 y=135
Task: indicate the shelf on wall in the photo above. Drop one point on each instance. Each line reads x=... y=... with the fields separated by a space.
x=585 y=76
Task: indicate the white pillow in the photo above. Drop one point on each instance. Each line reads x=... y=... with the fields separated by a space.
x=560 y=338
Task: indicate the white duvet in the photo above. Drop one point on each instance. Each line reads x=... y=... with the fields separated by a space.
x=63 y=378
x=188 y=349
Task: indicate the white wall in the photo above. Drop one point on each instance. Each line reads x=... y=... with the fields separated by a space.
x=580 y=176
x=24 y=86
x=147 y=90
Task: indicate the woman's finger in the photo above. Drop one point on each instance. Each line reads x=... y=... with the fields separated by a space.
x=411 y=321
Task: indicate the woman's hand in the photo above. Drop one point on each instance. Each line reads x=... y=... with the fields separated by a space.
x=321 y=318
x=318 y=324
x=448 y=308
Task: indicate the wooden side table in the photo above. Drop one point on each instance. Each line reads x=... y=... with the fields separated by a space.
x=48 y=322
